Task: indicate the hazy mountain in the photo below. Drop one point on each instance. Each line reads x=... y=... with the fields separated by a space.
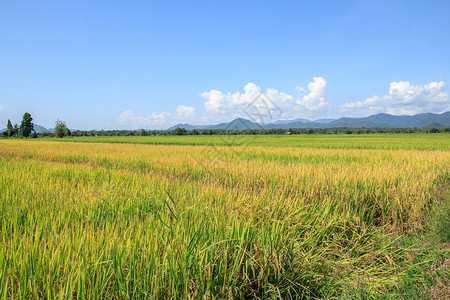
x=289 y=121
x=419 y=120
x=386 y=120
x=355 y=123
x=435 y=125
x=236 y=124
x=40 y=129
x=294 y=125
x=324 y=121
x=374 y=121
x=186 y=126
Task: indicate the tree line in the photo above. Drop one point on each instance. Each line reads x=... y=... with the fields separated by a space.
x=275 y=131
x=26 y=129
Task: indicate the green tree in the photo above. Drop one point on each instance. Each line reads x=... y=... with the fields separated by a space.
x=10 y=129
x=60 y=128
x=27 y=126
x=179 y=131
x=434 y=130
x=16 y=130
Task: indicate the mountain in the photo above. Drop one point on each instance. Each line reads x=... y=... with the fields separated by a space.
x=387 y=120
x=324 y=121
x=375 y=121
x=355 y=123
x=435 y=125
x=41 y=129
x=185 y=126
x=236 y=124
x=419 y=120
x=290 y=121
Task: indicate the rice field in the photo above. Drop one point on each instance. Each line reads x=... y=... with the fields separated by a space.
x=412 y=141
x=279 y=217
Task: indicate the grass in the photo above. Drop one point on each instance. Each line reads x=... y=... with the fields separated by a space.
x=416 y=141
x=108 y=220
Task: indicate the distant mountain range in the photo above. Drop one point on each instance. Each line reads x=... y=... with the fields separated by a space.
x=324 y=121
x=375 y=121
x=428 y=120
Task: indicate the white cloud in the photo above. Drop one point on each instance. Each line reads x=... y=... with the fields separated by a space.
x=316 y=102
x=2 y=108
x=403 y=99
x=311 y=103
x=217 y=100
x=129 y=120
x=317 y=93
x=222 y=106
x=185 y=111
x=162 y=120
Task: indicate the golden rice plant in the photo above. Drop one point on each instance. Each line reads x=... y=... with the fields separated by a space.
x=114 y=221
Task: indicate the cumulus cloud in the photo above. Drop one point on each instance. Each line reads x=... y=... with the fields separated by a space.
x=221 y=107
x=403 y=99
x=185 y=111
x=317 y=98
x=311 y=103
x=314 y=101
x=129 y=120
x=217 y=101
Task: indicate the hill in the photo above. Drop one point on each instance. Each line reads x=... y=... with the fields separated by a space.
x=381 y=120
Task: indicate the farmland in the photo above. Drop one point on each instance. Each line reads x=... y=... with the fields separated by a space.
x=338 y=141
x=361 y=216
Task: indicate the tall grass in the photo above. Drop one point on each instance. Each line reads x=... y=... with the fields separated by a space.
x=91 y=220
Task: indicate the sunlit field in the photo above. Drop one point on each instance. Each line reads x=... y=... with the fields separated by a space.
x=289 y=217
x=416 y=141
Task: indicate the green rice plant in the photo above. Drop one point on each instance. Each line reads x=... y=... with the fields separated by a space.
x=416 y=141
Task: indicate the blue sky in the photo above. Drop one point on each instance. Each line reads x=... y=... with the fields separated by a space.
x=143 y=64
